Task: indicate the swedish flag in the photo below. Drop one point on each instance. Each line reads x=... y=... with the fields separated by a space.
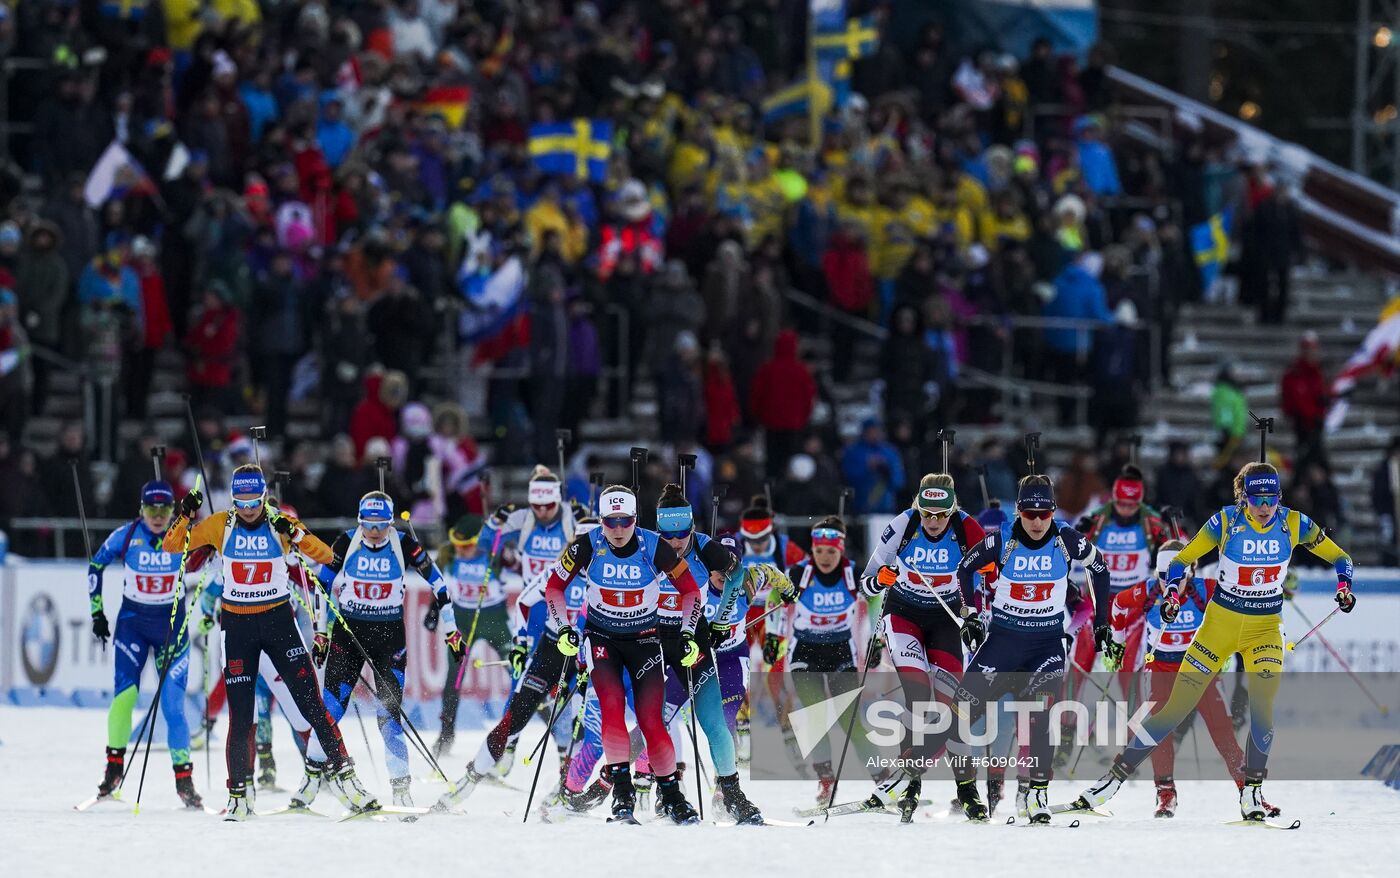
x=1210 y=243
x=797 y=100
x=580 y=147
x=858 y=39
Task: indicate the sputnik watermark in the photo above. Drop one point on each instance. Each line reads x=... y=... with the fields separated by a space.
x=1111 y=725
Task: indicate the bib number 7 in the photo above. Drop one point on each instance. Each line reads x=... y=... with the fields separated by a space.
x=252 y=572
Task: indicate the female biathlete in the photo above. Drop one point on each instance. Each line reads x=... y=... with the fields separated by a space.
x=1256 y=538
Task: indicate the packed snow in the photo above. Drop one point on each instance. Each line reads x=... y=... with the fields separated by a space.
x=52 y=758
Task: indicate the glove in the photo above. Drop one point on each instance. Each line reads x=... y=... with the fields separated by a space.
x=772 y=649
x=1171 y=604
x=885 y=577
x=1345 y=599
x=206 y=624
x=457 y=645
x=502 y=513
x=568 y=641
x=430 y=619
x=974 y=633
x=1113 y=653
x=283 y=525
x=320 y=645
x=100 y=630
x=1103 y=639
x=690 y=650
x=190 y=503
x=719 y=633
x=519 y=651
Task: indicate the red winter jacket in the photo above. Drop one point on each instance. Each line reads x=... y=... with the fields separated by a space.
x=847 y=271
x=783 y=390
x=213 y=346
x=1305 y=394
x=722 y=413
x=371 y=417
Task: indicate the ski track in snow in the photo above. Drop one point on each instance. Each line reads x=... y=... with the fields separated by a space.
x=51 y=758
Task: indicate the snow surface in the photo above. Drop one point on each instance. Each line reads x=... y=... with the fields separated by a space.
x=51 y=758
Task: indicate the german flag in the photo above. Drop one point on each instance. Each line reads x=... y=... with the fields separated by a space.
x=448 y=101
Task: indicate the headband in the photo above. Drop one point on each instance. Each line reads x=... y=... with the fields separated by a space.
x=936 y=499
x=1128 y=490
x=544 y=492
x=248 y=482
x=828 y=536
x=1262 y=483
x=1035 y=496
x=376 y=509
x=617 y=503
x=674 y=519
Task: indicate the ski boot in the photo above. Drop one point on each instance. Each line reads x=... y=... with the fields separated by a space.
x=889 y=790
x=642 y=782
x=1252 y=804
x=743 y=747
x=1038 y=802
x=443 y=745
x=347 y=789
x=116 y=759
x=238 y=808
x=996 y=783
x=971 y=800
x=909 y=801
x=736 y=804
x=402 y=799
x=1106 y=787
x=1166 y=797
x=1023 y=793
x=310 y=786
x=460 y=790
x=267 y=768
x=586 y=799
x=624 y=794
x=507 y=760
x=671 y=802
x=826 y=781
x=184 y=787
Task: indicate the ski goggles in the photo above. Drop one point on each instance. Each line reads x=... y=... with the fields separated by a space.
x=935 y=514
x=252 y=502
x=1260 y=500
x=828 y=536
x=156 y=509
x=376 y=525
x=462 y=542
x=1036 y=514
x=619 y=522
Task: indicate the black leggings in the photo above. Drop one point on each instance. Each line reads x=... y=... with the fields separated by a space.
x=274 y=631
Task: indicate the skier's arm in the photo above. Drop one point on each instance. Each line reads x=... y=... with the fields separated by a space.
x=1315 y=540
x=678 y=571
x=1127 y=607
x=302 y=541
x=208 y=532
x=327 y=572
x=1207 y=538
x=985 y=554
x=884 y=552
x=418 y=558
x=1080 y=549
x=576 y=558
x=109 y=551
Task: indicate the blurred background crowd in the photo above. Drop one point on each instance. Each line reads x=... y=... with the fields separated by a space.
x=440 y=230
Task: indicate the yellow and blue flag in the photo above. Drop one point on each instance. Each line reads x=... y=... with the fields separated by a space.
x=827 y=15
x=856 y=38
x=797 y=100
x=1210 y=244
x=580 y=147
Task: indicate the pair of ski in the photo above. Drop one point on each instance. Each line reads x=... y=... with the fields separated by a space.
x=861 y=807
x=1263 y=822
x=93 y=801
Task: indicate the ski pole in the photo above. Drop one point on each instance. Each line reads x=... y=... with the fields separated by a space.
x=870 y=656
x=485 y=580
x=175 y=607
x=369 y=751
x=561 y=697
x=695 y=742
x=82 y=516
x=553 y=717
x=562 y=437
x=1327 y=644
x=759 y=620
x=478 y=663
x=1294 y=644
x=198 y=451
